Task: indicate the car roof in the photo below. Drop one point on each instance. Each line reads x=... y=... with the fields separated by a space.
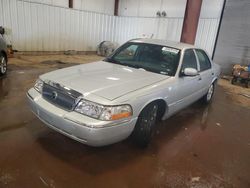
x=173 y=44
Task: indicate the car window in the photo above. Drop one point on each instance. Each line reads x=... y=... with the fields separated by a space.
x=128 y=53
x=203 y=60
x=150 y=57
x=189 y=59
x=159 y=58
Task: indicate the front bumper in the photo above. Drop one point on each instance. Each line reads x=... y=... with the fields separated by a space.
x=77 y=126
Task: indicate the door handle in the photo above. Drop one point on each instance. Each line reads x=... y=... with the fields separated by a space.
x=212 y=74
x=199 y=79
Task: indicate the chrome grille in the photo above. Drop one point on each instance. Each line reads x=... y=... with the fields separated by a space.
x=59 y=96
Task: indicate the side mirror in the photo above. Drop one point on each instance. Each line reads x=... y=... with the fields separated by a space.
x=190 y=72
x=2 y=31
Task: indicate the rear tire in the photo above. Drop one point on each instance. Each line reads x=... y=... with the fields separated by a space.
x=206 y=99
x=3 y=64
x=145 y=125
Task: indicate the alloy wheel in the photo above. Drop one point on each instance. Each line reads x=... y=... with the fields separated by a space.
x=210 y=92
x=3 y=65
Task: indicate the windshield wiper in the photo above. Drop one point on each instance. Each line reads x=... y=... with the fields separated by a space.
x=134 y=66
x=111 y=60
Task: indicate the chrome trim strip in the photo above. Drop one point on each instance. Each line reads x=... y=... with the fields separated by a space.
x=76 y=96
x=63 y=88
x=29 y=96
x=99 y=126
x=77 y=122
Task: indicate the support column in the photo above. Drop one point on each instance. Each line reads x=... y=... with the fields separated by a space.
x=70 y=3
x=191 y=20
x=116 y=7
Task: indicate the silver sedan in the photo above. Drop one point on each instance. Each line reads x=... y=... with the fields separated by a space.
x=3 y=53
x=143 y=81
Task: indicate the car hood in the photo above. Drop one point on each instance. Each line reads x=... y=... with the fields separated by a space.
x=103 y=79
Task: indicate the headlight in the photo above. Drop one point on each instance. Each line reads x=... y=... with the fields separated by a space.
x=89 y=109
x=101 y=112
x=39 y=85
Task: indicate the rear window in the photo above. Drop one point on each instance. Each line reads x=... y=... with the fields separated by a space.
x=204 y=61
x=189 y=59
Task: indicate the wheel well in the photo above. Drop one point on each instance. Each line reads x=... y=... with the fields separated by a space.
x=162 y=107
x=215 y=81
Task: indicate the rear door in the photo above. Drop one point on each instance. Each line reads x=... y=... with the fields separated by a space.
x=205 y=70
x=188 y=87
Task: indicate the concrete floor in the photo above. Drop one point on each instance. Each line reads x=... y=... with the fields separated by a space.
x=202 y=146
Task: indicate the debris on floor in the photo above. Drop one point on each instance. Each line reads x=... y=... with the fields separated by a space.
x=53 y=62
x=218 y=124
x=195 y=179
x=5 y=179
x=245 y=95
x=70 y=52
x=51 y=183
x=43 y=181
x=23 y=61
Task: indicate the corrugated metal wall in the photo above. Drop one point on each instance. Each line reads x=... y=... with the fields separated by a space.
x=208 y=24
x=149 y=8
x=40 y=27
x=61 y=3
x=161 y=28
x=101 y=6
x=206 y=33
x=233 y=45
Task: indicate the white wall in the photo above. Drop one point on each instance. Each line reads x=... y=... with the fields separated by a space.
x=148 y=8
x=211 y=8
x=140 y=27
x=61 y=3
x=41 y=27
x=101 y=6
x=208 y=24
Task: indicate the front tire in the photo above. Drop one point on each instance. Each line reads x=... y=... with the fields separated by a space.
x=145 y=125
x=3 y=64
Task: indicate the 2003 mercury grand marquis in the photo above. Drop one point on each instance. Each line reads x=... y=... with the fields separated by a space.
x=104 y=102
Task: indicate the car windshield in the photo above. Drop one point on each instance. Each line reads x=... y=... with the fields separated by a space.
x=150 y=57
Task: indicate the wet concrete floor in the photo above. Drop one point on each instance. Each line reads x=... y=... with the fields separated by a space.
x=202 y=146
